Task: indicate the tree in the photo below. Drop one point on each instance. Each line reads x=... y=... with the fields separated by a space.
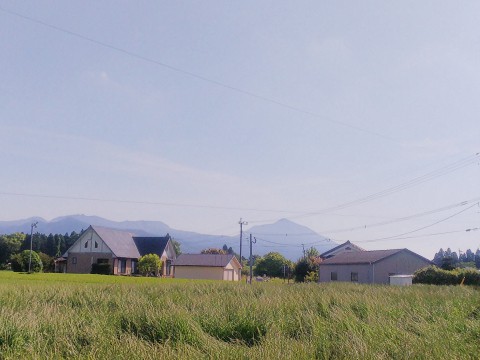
x=9 y=245
x=306 y=269
x=20 y=262
x=437 y=259
x=448 y=263
x=176 y=246
x=477 y=259
x=470 y=256
x=302 y=268
x=213 y=251
x=271 y=265
x=150 y=264
x=47 y=261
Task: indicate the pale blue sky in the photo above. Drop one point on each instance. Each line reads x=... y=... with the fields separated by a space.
x=383 y=93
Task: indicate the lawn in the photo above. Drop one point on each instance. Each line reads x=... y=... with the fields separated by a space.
x=94 y=316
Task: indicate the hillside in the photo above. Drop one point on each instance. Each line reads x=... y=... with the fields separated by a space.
x=283 y=236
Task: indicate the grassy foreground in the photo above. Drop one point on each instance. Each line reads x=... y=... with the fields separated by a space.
x=102 y=317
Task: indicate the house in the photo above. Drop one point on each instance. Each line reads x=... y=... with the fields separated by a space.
x=120 y=249
x=371 y=267
x=207 y=266
x=345 y=247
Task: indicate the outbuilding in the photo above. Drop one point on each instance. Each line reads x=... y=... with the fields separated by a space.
x=207 y=266
x=371 y=267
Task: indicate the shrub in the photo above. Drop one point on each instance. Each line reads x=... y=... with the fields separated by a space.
x=19 y=262
x=436 y=276
x=150 y=264
x=47 y=261
x=102 y=269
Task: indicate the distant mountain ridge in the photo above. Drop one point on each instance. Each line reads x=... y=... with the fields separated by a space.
x=283 y=236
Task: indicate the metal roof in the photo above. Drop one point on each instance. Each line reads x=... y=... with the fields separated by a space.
x=363 y=257
x=120 y=242
x=214 y=260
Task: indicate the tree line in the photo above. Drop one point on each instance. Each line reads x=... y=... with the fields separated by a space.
x=449 y=260
x=48 y=246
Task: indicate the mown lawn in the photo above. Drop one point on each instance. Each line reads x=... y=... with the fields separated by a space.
x=102 y=317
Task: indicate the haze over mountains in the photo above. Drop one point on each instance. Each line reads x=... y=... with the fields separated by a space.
x=283 y=236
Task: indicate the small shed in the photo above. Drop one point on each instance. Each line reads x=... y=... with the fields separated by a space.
x=207 y=266
x=401 y=280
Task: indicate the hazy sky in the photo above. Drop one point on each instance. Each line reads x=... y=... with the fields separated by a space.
x=199 y=113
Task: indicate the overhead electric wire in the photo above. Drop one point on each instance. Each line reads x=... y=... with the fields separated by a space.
x=429 y=176
x=400 y=238
x=423 y=227
x=192 y=74
x=383 y=223
x=457 y=165
x=405 y=218
x=66 y=197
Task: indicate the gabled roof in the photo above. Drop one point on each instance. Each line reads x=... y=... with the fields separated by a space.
x=151 y=245
x=120 y=242
x=214 y=260
x=347 y=243
x=365 y=257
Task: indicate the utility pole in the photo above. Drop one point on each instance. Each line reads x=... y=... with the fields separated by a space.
x=251 y=257
x=241 y=236
x=34 y=225
x=304 y=256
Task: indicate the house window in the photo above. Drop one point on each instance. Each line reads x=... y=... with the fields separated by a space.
x=134 y=266
x=74 y=260
x=86 y=244
x=354 y=276
x=333 y=276
x=96 y=245
x=122 y=266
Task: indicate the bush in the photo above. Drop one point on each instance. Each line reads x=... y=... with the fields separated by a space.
x=150 y=264
x=102 y=269
x=47 y=261
x=19 y=262
x=436 y=276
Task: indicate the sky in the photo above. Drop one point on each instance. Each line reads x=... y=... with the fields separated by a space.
x=198 y=114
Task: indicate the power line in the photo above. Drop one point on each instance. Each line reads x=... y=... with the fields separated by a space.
x=423 y=227
x=457 y=165
x=383 y=223
x=405 y=218
x=418 y=180
x=66 y=197
x=192 y=74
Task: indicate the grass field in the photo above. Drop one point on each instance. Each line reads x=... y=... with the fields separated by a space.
x=92 y=316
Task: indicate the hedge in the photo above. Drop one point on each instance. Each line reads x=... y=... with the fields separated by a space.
x=436 y=276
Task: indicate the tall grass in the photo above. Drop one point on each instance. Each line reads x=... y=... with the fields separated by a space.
x=60 y=316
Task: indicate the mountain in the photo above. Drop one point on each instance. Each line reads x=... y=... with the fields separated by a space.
x=283 y=236
x=288 y=238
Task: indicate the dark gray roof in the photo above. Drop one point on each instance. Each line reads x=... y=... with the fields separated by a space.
x=365 y=257
x=151 y=245
x=120 y=242
x=326 y=253
x=204 y=260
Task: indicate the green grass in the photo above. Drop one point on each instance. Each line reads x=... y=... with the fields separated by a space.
x=56 y=316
